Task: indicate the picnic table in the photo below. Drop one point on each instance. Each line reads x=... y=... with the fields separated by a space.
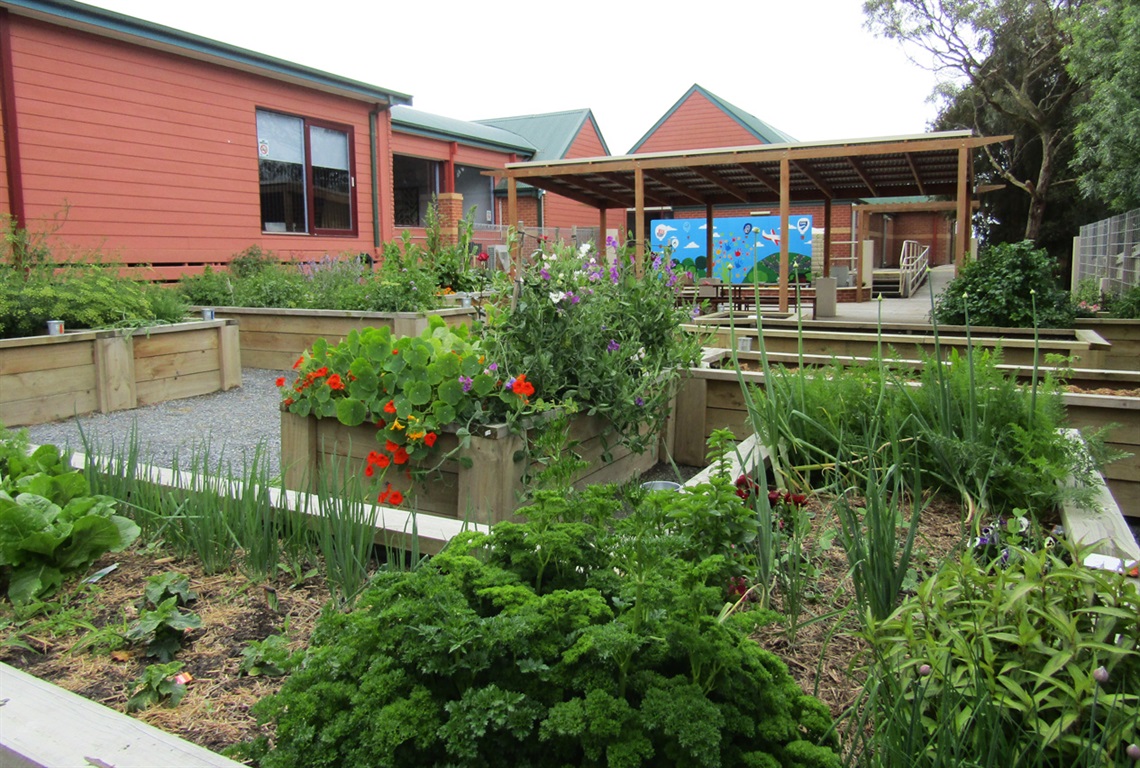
x=744 y=298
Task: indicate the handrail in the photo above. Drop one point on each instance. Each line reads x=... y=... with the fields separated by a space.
x=913 y=265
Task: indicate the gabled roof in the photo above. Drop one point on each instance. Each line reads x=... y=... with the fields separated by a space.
x=764 y=133
x=118 y=26
x=415 y=121
x=552 y=133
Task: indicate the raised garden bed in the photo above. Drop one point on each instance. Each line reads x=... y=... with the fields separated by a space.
x=321 y=450
x=1123 y=335
x=710 y=398
x=45 y=378
x=1083 y=346
x=274 y=338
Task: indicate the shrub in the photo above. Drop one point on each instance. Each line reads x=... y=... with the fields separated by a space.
x=999 y=666
x=1001 y=288
x=82 y=297
x=1126 y=305
x=550 y=642
x=212 y=288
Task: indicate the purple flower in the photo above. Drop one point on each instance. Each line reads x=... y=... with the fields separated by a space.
x=639 y=402
x=1100 y=674
x=492 y=367
x=696 y=312
x=614 y=276
x=1133 y=751
x=613 y=346
x=466 y=381
x=544 y=274
x=573 y=297
x=924 y=670
x=612 y=242
x=510 y=383
x=657 y=262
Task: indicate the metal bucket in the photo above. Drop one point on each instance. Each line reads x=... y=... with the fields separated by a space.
x=55 y=327
x=208 y=314
x=660 y=485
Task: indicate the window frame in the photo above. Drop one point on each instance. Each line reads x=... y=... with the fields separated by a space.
x=310 y=181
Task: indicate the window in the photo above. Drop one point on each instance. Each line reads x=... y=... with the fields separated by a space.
x=305 y=171
x=415 y=182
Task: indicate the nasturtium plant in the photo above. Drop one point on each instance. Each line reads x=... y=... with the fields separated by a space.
x=574 y=638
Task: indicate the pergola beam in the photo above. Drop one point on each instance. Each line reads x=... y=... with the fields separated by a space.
x=914 y=172
x=862 y=174
x=814 y=178
x=680 y=189
x=727 y=186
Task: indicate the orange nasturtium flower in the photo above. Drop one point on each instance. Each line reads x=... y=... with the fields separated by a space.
x=297 y=364
x=390 y=407
x=335 y=382
x=417 y=435
x=280 y=381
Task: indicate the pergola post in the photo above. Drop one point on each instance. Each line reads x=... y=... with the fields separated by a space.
x=513 y=215
x=709 y=239
x=600 y=246
x=827 y=237
x=639 y=223
x=785 y=210
x=962 y=238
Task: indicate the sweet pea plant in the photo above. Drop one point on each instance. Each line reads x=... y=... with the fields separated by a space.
x=594 y=332
x=410 y=388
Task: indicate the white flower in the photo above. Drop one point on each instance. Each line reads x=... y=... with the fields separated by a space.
x=638 y=355
x=584 y=248
x=549 y=256
x=557 y=296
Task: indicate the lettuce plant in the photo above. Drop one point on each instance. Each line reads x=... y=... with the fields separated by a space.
x=50 y=524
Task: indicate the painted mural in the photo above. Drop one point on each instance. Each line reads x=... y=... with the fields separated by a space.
x=746 y=249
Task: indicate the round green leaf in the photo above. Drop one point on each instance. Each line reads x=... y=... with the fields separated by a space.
x=350 y=411
x=418 y=392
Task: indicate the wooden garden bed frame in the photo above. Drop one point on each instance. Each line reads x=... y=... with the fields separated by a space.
x=275 y=338
x=710 y=398
x=1084 y=347
x=489 y=491
x=47 y=378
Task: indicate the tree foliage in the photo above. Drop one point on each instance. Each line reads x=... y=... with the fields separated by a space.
x=1105 y=54
x=1005 y=75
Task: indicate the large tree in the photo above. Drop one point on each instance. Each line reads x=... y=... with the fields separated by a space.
x=1105 y=55
x=1004 y=71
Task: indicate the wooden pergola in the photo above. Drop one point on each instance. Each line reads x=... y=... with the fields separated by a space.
x=926 y=164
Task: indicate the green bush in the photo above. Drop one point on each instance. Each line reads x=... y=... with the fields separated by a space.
x=552 y=642
x=998 y=666
x=82 y=297
x=212 y=288
x=1126 y=305
x=1001 y=288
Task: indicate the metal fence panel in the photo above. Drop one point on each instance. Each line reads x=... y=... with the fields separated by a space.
x=1109 y=252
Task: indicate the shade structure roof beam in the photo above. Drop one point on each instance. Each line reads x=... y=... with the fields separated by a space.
x=914 y=172
x=862 y=174
x=802 y=167
x=724 y=184
x=662 y=178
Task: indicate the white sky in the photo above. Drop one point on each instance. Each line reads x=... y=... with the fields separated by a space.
x=806 y=67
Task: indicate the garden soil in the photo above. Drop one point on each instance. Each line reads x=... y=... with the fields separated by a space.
x=79 y=647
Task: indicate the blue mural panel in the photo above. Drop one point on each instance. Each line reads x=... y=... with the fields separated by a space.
x=746 y=249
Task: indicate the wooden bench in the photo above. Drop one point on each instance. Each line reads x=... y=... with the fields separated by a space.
x=744 y=298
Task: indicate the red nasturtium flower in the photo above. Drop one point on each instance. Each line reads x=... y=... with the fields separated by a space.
x=288 y=401
x=522 y=387
x=390 y=407
x=383 y=497
x=280 y=381
x=297 y=364
x=400 y=456
x=322 y=371
x=396 y=498
x=382 y=461
x=369 y=471
x=335 y=382
x=373 y=457
x=429 y=439
x=390 y=447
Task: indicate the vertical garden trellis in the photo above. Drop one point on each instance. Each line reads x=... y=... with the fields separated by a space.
x=1108 y=251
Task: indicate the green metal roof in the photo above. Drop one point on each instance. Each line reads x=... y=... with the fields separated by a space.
x=121 y=27
x=763 y=132
x=551 y=133
x=415 y=121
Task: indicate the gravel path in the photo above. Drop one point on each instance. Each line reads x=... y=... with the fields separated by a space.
x=229 y=424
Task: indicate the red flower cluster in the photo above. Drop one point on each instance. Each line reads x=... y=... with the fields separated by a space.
x=521 y=387
x=746 y=486
x=738 y=588
x=390 y=496
x=482 y=257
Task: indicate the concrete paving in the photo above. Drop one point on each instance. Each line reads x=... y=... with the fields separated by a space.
x=915 y=309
